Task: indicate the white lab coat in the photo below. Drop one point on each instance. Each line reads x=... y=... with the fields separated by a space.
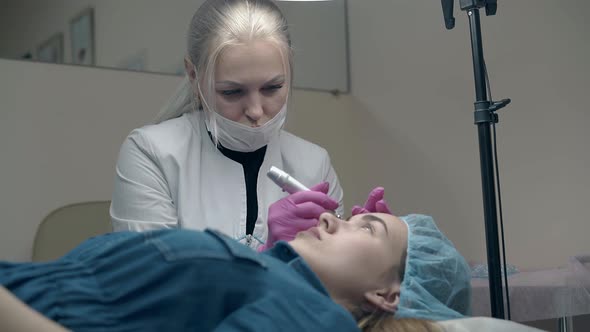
x=171 y=175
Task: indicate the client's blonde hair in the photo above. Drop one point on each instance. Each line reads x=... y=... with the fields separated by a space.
x=382 y=321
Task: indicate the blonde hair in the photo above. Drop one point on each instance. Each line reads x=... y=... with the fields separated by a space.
x=216 y=25
x=381 y=321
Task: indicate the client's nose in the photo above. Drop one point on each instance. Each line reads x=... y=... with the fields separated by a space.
x=329 y=222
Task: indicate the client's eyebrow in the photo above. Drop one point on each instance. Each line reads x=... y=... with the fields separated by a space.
x=370 y=217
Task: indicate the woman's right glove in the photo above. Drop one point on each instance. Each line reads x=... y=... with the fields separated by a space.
x=296 y=213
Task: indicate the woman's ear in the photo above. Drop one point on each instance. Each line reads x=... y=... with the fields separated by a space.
x=192 y=76
x=386 y=299
x=190 y=70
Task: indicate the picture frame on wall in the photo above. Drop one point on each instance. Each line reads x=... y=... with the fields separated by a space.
x=82 y=38
x=27 y=56
x=52 y=50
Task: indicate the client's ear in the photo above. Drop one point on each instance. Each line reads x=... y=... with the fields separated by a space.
x=386 y=299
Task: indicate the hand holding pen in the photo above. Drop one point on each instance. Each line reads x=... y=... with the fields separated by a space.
x=290 y=184
x=297 y=212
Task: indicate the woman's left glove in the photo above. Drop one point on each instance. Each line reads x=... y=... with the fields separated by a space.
x=296 y=213
x=374 y=203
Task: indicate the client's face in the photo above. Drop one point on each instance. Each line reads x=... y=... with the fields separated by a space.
x=357 y=256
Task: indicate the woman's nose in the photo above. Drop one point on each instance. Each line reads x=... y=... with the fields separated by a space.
x=254 y=114
x=254 y=111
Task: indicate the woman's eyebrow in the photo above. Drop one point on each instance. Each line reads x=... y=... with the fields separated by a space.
x=370 y=217
x=276 y=79
x=229 y=83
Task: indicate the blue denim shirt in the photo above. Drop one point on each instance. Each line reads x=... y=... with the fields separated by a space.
x=177 y=280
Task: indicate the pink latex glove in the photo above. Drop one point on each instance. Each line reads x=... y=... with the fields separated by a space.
x=374 y=203
x=297 y=212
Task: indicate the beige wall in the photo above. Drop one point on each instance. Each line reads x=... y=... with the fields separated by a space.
x=412 y=80
x=409 y=122
x=407 y=126
x=60 y=132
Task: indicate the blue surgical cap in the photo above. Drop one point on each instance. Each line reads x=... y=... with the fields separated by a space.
x=436 y=283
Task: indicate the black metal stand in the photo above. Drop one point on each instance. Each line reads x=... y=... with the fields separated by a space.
x=484 y=117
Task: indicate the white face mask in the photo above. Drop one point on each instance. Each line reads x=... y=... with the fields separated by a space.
x=239 y=137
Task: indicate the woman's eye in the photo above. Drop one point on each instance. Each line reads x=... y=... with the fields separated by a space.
x=231 y=92
x=273 y=87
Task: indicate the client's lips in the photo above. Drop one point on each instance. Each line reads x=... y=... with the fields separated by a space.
x=315 y=232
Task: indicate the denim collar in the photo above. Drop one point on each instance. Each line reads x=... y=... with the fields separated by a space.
x=285 y=253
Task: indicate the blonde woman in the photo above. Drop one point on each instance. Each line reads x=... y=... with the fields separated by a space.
x=204 y=161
